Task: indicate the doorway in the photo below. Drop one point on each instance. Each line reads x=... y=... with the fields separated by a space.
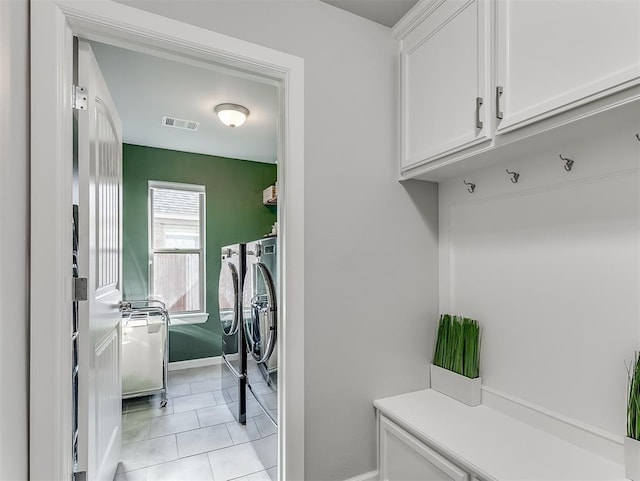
x=192 y=192
x=54 y=23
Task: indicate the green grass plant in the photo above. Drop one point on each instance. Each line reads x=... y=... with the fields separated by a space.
x=458 y=345
x=633 y=401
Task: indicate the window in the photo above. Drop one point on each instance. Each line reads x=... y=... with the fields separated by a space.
x=177 y=248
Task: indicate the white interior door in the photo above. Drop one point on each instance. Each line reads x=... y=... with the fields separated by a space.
x=100 y=261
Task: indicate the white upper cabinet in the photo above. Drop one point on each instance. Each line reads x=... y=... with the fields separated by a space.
x=444 y=61
x=478 y=75
x=554 y=55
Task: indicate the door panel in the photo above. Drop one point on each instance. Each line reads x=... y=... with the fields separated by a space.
x=405 y=458
x=553 y=55
x=444 y=70
x=100 y=261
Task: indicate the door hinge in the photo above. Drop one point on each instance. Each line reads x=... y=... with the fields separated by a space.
x=79 y=289
x=79 y=98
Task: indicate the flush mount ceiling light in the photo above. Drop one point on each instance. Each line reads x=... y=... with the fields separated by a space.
x=232 y=115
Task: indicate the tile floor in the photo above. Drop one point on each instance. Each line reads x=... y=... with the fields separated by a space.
x=195 y=437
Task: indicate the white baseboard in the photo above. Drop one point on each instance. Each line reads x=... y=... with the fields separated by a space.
x=370 y=476
x=205 y=361
x=591 y=438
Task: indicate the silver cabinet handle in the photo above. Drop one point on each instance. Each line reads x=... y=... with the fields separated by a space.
x=479 y=102
x=499 y=91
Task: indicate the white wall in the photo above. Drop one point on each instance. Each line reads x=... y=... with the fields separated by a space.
x=371 y=259
x=550 y=268
x=14 y=238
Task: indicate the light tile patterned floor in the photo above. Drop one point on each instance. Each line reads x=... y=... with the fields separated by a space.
x=195 y=437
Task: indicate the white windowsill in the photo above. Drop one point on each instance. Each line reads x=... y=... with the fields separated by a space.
x=191 y=318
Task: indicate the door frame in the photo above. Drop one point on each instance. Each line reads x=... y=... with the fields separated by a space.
x=53 y=25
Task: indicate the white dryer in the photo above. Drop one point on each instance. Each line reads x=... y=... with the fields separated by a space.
x=260 y=321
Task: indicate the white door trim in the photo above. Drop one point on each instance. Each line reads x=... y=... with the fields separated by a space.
x=53 y=24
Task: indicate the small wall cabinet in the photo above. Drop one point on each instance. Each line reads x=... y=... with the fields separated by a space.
x=445 y=65
x=473 y=71
x=403 y=457
x=552 y=56
x=270 y=195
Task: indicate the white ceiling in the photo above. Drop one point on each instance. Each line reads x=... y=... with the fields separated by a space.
x=385 y=12
x=146 y=87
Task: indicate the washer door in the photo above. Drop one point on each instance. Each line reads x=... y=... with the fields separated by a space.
x=228 y=298
x=260 y=312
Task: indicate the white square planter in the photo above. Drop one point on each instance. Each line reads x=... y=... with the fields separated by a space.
x=456 y=386
x=632 y=459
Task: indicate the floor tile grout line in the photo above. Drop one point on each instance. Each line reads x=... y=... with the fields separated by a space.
x=233 y=443
x=150 y=418
x=251 y=474
x=151 y=465
x=198 y=417
x=168 y=434
x=197 y=394
x=226 y=447
x=175 y=439
x=167 y=462
x=213 y=474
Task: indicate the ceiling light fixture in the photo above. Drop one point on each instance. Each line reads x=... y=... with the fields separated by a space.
x=232 y=115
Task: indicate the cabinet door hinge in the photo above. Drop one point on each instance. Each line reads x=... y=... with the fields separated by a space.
x=79 y=289
x=79 y=98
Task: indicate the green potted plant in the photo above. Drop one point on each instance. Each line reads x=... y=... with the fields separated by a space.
x=632 y=441
x=455 y=370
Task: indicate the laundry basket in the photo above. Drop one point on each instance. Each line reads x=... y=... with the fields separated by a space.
x=144 y=349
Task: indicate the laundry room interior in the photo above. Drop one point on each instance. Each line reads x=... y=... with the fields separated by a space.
x=195 y=191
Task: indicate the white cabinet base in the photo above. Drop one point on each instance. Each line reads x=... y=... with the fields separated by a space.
x=404 y=458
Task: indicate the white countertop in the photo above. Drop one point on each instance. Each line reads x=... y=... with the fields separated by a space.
x=496 y=446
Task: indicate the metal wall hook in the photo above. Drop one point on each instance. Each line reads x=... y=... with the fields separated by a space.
x=514 y=176
x=568 y=163
x=472 y=186
x=638 y=136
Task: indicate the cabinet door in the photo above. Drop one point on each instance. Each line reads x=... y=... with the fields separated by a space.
x=444 y=65
x=554 y=55
x=404 y=458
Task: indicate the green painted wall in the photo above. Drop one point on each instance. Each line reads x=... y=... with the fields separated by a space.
x=234 y=212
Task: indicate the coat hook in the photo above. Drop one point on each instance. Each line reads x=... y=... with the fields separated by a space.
x=568 y=163
x=514 y=176
x=638 y=136
x=472 y=186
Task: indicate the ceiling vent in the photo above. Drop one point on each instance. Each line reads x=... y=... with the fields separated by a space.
x=180 y=123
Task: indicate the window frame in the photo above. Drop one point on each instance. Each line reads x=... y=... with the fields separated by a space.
x=189 y=317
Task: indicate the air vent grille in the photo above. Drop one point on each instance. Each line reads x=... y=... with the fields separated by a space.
x=180 y=123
